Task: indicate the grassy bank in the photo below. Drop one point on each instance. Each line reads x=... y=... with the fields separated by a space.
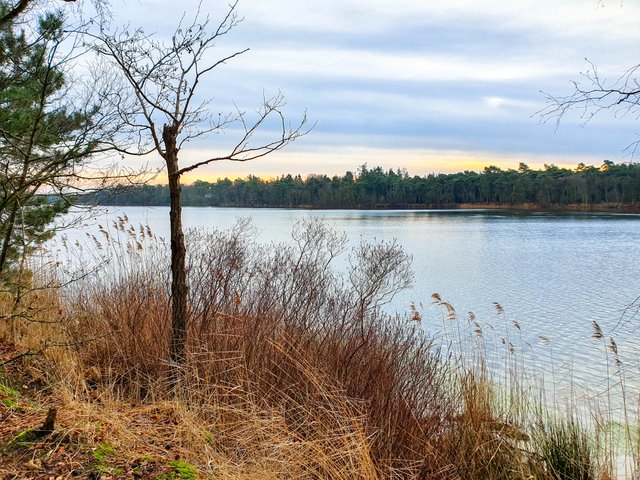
x=293 y=371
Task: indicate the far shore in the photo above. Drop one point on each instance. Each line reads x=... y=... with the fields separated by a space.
x=532 y=207
x=602 y=207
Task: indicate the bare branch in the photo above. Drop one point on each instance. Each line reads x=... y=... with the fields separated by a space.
x=594 y=95
x=244 y=151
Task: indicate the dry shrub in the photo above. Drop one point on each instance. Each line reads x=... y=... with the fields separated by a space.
x=230 y=432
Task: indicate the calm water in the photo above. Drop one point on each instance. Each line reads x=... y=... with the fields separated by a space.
x=553 y=274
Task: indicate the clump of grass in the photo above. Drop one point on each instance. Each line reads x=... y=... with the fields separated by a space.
x=481 y=440
x=565 y=449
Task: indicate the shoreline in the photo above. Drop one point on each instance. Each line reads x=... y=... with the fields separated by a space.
x=570 y=208
x=528 y=207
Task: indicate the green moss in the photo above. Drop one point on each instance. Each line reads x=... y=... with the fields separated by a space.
x=24 y=438
x=181 y=471
x=101 y=454
x=10 y=397
x=6 y=391
x=103 y=451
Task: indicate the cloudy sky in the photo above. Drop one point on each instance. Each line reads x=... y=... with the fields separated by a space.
x=417 y=84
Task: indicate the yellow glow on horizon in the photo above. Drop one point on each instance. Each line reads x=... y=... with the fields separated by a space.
x=337 y=161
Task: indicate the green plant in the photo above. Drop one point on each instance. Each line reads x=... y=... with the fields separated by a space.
x=101 y=455
x=24 y=438
x=8 y=391
x=9 y=397
x=103 y=451
x=9 y=403
x=181 y=470
x=565 y=450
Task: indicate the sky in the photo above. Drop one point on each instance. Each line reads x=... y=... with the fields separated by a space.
x=428 y=86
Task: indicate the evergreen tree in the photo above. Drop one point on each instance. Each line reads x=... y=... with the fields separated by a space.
x=45 y=132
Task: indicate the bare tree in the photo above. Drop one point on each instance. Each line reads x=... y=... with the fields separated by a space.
x=164 y=78
x=594 y=93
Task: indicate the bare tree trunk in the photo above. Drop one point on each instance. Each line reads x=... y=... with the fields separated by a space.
x=179 y=290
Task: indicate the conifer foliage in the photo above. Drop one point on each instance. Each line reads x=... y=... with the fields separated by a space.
x=48 y=129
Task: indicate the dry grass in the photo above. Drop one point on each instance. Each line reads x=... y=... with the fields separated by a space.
x=293 y=371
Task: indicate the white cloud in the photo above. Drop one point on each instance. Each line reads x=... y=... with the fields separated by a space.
x=501 y=103
x=363 y=64
x=566 y=18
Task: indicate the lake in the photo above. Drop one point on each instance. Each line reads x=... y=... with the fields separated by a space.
x=552 y=274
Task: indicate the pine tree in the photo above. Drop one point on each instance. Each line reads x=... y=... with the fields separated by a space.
x=43 y=138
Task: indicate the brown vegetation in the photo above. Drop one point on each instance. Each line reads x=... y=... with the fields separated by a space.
x=292 y=371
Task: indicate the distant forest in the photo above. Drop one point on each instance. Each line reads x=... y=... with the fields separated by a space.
x=610 y=185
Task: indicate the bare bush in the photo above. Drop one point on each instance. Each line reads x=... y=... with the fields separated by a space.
x=378 y=272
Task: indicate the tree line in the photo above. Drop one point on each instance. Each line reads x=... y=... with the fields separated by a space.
x=615 y=185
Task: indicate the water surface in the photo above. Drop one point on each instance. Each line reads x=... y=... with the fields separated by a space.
x=552 y=274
